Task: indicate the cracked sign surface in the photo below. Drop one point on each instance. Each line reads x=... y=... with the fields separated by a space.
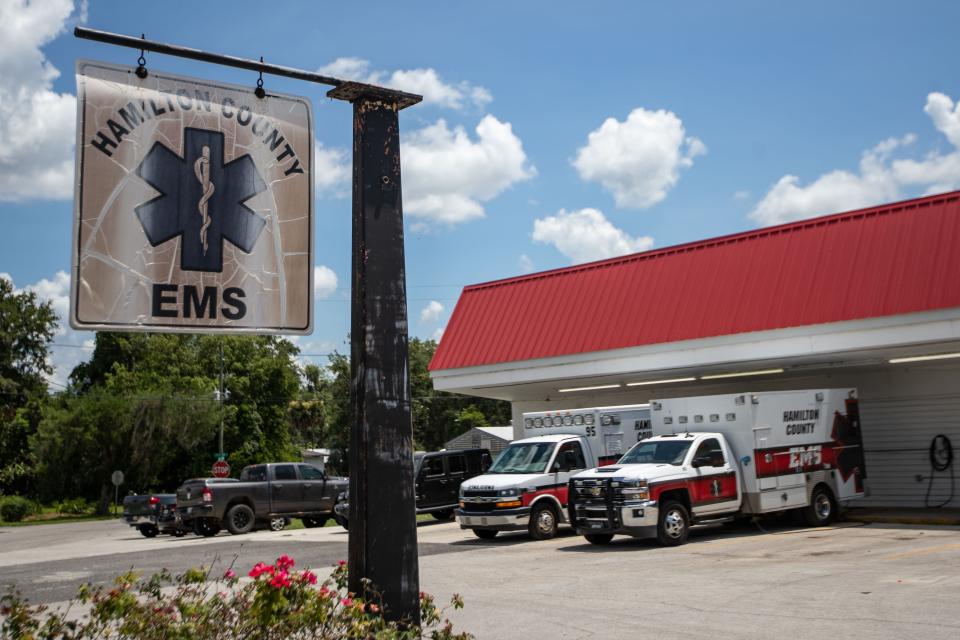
x=194 y=208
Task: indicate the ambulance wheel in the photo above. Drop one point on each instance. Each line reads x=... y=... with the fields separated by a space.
x=485 y=534
x=673 y=526
x=543 y=522
x=822 y=508
x=598 y=538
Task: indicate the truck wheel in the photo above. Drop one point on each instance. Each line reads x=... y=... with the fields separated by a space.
x=598 y=538
x=543 y=522
x=277 y=524
x=673 y=526
x=206 y=528
x=148 y=531
x=446 y=514
x=822 y=509
x=343 y=522
x=239 y=519
x=314 y=522
x=485 y=534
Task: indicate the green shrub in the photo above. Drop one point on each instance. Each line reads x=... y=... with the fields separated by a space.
x=278 y=602
x=15 y=508
x=74 y=507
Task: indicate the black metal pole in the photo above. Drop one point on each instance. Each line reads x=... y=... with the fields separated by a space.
x=383 y=528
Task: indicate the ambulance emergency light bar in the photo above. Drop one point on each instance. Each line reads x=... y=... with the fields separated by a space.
x=935 y=356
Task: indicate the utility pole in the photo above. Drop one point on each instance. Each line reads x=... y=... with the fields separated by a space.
x=221 y=454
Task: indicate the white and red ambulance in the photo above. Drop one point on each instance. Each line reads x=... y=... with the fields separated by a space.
x=526 y=487
x=714 y=458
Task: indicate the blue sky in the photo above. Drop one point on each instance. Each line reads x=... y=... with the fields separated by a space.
x=552 y=133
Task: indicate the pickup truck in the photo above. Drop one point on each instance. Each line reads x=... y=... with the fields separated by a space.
x=152 y=514
x=264 y=492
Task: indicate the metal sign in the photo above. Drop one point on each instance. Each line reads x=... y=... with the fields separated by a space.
x=221 y=469
x=194 y=206
x=116 y=478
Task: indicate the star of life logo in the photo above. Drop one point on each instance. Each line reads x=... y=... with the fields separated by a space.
x=202 y=200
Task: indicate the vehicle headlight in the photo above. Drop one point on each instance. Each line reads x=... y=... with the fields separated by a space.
x=634 y=490
x=508 y=493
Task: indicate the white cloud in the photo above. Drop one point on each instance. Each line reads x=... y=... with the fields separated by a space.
x=880 y=178
x=638 y=160
x=431 y=312
x=70 y=347
x=741 y=195
x=426 y=82
x=324 y=282
x=526 y=264
x=446 y=175
x=438 y=334
x=37 y=125
x=332 y=171
x=586 y=235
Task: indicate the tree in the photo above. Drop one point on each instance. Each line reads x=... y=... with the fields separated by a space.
x=145 y=404
x=27 y=327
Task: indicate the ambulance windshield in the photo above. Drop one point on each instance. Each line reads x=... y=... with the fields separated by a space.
x=657 y=452
x=523 y=458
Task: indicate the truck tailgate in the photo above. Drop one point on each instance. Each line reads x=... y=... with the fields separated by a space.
x=190 y=494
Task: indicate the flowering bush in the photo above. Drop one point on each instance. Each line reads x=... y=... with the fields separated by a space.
x=276 y=602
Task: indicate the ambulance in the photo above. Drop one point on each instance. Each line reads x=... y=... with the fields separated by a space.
x=713 y=459
x=526 y=487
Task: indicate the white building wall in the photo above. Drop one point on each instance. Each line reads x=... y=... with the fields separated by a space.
x=902 y=407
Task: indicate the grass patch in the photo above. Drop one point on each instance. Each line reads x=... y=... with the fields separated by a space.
x=47 y=518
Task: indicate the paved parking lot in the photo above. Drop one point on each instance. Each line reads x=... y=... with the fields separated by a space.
x=856 y=581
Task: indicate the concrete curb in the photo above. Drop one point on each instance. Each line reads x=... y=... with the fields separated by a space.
x=899 y=518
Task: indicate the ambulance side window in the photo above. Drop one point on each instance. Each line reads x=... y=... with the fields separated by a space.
x=570 y=457
x=711 y=449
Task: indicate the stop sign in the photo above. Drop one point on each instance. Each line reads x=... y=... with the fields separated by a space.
x=221 y=469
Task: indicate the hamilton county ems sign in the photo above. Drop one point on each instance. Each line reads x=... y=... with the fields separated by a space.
x=194 y=206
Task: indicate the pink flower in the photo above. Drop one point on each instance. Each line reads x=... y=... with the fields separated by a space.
x=308 y=576
x=259 y=569
x=346 y=602
x=281 y=580
x=374 y=608
x=285 y=562
x=229 y=574
x=342 y=563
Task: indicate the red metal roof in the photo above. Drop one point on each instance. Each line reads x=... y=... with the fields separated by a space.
x=882 y=261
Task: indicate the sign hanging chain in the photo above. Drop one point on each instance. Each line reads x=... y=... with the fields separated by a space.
x=142 y=61
x=259 y=92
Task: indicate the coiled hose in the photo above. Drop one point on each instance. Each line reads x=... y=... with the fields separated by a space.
x=941 y=459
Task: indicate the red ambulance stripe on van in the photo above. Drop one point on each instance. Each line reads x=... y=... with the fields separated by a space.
x=558 y=491
x=781 y=461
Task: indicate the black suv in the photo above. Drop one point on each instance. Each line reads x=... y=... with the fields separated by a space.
x=438 y=476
